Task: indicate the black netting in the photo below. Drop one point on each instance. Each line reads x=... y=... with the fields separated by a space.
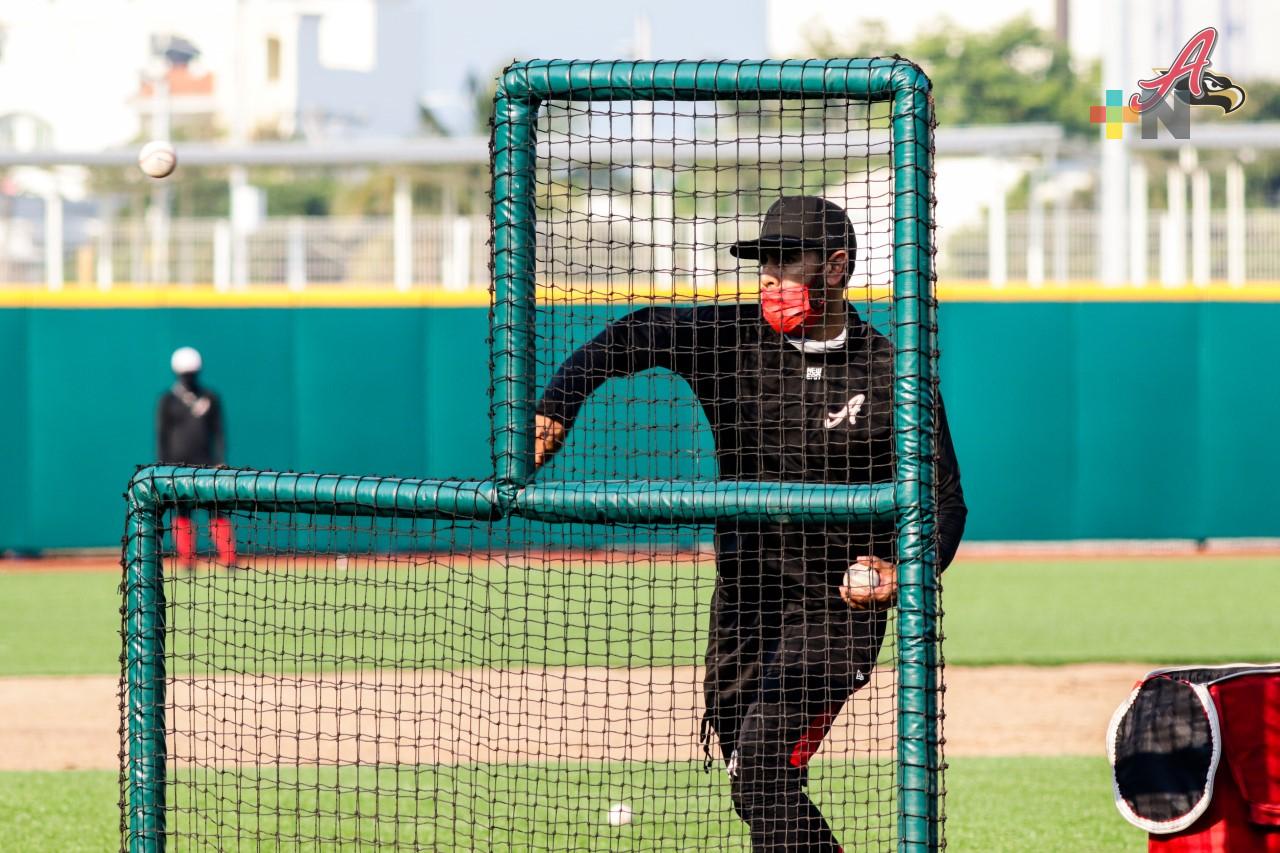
x=402 y=681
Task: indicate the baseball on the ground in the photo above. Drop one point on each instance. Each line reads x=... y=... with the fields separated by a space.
x=619 y=814
x=861 y=580
x=157 y=159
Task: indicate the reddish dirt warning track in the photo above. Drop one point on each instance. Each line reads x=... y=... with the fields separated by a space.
x=560 y=714
x=969 y=551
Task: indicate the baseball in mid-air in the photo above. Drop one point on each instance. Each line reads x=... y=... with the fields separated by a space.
x=158 y=159
x=861 y=580
x=619 y=814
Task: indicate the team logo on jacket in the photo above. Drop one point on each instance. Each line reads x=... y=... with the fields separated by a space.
x=813 y=373
x=849 y=411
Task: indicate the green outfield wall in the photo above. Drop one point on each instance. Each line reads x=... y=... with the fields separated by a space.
x=1071 y=420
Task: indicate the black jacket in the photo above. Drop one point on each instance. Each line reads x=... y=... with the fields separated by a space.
x=189 y=428
x=777 y=414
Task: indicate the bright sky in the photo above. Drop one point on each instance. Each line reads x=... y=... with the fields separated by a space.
x=481 y=37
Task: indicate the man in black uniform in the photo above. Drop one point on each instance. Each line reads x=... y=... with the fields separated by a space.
x=189 y=431
x=796 y=388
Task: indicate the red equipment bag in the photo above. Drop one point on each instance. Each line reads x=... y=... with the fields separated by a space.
x=1195 y=759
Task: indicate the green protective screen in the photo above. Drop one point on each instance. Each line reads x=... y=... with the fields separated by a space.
x=366 y=625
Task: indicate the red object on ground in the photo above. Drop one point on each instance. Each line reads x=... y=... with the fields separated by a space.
x=224 y=541
x=184 y=540
x=1244 y=815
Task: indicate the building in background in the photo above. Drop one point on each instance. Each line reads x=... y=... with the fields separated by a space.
x=275 y=69
x=87 y=75
x=318 y=68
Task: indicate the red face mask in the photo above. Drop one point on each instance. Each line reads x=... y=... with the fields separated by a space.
x=789 y=307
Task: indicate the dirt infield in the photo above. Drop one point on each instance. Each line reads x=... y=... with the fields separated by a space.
x=1137 y=549
x=566 y=714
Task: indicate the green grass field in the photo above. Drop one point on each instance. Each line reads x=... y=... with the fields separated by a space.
x=1185 y=609
x=1176 y=610
x=994 y=805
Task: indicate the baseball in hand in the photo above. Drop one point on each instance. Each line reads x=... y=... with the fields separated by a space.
x=619 y=814
x=157 y=159
x=861 y=580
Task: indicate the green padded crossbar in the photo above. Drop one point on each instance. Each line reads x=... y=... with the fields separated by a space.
x=675 y=502
x=339 y=494
x=157 y=487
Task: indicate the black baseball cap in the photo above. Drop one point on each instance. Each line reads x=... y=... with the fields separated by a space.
x=800 y=222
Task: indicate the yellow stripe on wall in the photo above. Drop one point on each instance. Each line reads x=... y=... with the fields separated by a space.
x=1086 y=290
x=382 y=296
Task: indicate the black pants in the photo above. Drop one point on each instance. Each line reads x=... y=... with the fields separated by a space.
x=779 y=668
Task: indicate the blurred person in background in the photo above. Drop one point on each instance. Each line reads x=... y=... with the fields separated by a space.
x=189 y=431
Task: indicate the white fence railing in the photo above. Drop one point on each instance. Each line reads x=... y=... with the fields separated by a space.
x=293 y=252
x=453 y=253
x=1067 y=248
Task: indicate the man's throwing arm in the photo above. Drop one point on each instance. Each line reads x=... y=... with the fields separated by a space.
x=632 y=344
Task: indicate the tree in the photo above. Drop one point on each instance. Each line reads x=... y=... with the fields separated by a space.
x=1017 y=72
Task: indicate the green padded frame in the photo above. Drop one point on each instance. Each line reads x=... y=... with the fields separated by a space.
x=909 y=499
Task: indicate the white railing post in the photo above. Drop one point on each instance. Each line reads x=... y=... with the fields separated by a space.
x=662 y=209
x=105 y=272
x=457 y=269
x=158 y=219
x=704 y=252
x=402 y=233
x=1235 y=224
x=1200 y=226
x=997 y=240
x=1138 y=239
x=1060 y=237
x=53 y=239
x=222 y=255
x=1173 y=231
x=296 y=255
x=1035 y=232
x=243 y=216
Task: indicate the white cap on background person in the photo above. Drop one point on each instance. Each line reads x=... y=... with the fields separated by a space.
x=186 y=360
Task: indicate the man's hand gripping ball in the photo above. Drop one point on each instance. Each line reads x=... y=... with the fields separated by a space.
x=870 y=584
